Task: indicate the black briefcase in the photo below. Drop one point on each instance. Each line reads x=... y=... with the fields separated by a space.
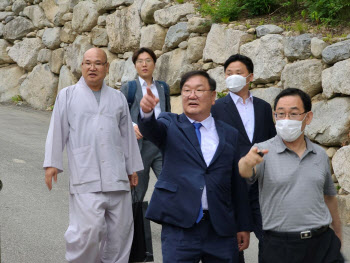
x=141 y=249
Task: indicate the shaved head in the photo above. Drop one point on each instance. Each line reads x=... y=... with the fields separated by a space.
x=97 y=51
x=94 y=67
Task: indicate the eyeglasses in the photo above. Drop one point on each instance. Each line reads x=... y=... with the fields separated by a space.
x=96 y=64
x=141 y=61
x=291 y=116
x=197 y=92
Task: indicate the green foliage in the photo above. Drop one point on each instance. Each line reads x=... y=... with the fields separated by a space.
x=328 y=11
x=221 y=94
x=17 y=98
x=320 y=11
x=261 y=22
x=180 y=1
x=304 y=14
x=259 y=7
x=220 y=10
x=300 y=27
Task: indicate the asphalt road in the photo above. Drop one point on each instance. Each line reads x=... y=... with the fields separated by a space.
x=32 y=219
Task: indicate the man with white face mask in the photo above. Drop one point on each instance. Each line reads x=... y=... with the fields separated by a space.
x=251 y=116
x=297 y=197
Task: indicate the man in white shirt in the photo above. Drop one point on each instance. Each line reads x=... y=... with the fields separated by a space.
x=199 y=198
x=92 y=120
x=251 y=116
x=145 y=60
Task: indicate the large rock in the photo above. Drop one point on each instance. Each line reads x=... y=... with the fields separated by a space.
x=66 y=78
x=116 y=71
x=298 y=47
x=267 y=94
x=18 y=28
x=222 y=43
x=10 y=79
x=44 y=55
x=341 y=167
x=219 y=76
x=4 y=15
x=171 y=15
x=4 y=57
x=56 y=60
x=110 y=56
x=331 y=123
x=99 y=36
x=304 y=75
x=176 y=104
x=124 y=30
x=268 y=29
x=18 y=6
x=198 y=25
x=85 y=15
x=317 y=46
x=1 y=29
x=67 y=34
x=170 y=67
x=175 y=35
x=129 y=72
x=75 y=53
x=336 y=79
x=267 y=56
x=336 y=52
x=4 y=4
x=148 y=9
x=37 y=15
x=25 y=53
x=344 y=208
x=55 y=9
x=39 y=89
x=153 y=37
x=105 y=5
x=51 y=37
x=195 y=48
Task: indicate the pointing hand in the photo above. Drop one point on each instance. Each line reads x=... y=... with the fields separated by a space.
x=149 y=101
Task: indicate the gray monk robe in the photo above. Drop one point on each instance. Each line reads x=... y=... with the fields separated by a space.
x=102 y=152
x=101 y=143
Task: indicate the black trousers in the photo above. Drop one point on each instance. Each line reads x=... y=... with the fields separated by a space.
x=324 y=248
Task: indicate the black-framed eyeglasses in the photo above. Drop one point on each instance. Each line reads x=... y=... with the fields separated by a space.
x=291 y=116
x=197 y=92
x=95 y=64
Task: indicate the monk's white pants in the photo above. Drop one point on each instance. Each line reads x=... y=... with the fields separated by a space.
x=100 y=227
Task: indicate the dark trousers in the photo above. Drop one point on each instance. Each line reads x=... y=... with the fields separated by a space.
x=151 y=158
x=200 y=242
x=257 y=220
x=324 y=248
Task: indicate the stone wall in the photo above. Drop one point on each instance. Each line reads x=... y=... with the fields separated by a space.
x=42 y=43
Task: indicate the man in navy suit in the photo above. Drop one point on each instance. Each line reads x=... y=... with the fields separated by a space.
x=199 y=198
x=251 y=116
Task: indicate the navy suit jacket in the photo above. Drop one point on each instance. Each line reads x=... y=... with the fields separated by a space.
x=225 y=110
x=177 y=195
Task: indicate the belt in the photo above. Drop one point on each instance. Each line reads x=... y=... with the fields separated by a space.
x=205 y=215
x=298 y=235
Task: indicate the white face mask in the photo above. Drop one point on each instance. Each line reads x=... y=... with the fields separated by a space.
x=235 y=83
x=289 y=130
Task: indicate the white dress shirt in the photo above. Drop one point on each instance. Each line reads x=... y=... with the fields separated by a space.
x=154 y=90
x=246 y=112
x=209 y=144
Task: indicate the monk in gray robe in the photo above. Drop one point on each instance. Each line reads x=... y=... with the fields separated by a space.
x=93 y=122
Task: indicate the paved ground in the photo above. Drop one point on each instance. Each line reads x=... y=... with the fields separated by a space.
x=32 y=219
